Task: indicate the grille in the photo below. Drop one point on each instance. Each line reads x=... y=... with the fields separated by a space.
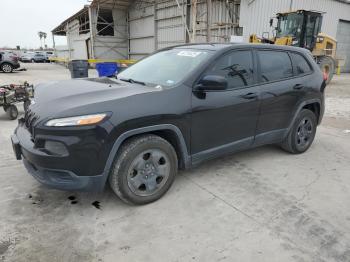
x=29 y=120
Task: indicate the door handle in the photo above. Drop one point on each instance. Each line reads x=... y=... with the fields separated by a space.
x=298 y=86
x=250 y=96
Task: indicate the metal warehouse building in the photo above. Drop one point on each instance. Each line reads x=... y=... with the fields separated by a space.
x=126 y=29
x=122 y=29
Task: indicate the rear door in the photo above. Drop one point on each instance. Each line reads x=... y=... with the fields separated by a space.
x=279 y=94
x=224 y=121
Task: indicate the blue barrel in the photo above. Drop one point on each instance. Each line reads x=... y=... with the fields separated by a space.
x=106 y=69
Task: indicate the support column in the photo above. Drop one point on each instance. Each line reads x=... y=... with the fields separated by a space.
x=209 y=8
x=92 y=37
x=53 y=41
x=194 y=20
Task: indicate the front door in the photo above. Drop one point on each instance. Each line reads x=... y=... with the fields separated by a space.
x=225 y=121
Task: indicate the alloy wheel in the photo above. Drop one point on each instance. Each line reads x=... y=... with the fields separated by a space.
x=7 y=68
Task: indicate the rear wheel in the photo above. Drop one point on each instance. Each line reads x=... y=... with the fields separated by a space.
x=302 y=133
x=144 y=169
x=12 y=112
x=327 y=66
x=7 y=68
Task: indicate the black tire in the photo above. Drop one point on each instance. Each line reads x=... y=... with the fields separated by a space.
x=6 y=67
x=26 y=104
x=124 y=172
x=12 y=112
x=298 y=134
x=327 y=66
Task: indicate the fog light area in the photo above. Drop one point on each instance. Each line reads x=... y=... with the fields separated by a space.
x=56 y=148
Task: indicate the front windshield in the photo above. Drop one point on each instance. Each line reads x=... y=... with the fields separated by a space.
x=290 y=25
x=165 y=68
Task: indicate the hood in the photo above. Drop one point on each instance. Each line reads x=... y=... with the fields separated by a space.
x=82 y=96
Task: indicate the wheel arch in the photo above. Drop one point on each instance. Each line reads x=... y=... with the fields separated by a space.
x=315 y=107
x=312 y=104
x=169 y=132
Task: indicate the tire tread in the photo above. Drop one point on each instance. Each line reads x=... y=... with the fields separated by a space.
x=288 y=144
x=126 y=148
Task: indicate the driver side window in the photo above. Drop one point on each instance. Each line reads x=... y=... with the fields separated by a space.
x=236 y=67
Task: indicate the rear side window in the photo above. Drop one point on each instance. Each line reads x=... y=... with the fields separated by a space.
x=236 y=67
x=275 y=65
x=301 y=66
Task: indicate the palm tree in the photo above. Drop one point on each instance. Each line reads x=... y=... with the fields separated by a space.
x=41 y=36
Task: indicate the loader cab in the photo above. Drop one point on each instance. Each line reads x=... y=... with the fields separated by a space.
x=299 y=28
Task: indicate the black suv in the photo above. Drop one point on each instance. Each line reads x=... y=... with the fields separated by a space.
x=174 y=109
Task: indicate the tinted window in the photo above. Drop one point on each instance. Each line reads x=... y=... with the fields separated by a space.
x=275 y=65
x=236 y=67
x=301 y=66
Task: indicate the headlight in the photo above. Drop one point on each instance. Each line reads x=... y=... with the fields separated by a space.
x=77 y=120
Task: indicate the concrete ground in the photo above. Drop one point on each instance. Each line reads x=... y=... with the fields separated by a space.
x=259 y=205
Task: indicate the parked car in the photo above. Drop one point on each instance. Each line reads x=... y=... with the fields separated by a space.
x=8 y=61
x=48 y=55
x=174 y=109
x=27 y=57
x=39 y=58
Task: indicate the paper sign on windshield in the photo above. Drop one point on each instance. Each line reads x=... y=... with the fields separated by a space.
x=189 y=53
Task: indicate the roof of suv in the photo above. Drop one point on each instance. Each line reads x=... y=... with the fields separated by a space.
x=223 y=46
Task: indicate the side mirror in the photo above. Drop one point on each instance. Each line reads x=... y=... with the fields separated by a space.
x=212 y=83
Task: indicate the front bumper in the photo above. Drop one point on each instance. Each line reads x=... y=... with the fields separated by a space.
x=44 y=167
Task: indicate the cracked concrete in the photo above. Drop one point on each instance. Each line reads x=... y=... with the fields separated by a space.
x=258 y=205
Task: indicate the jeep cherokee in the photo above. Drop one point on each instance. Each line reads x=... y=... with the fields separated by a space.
x=174 y=109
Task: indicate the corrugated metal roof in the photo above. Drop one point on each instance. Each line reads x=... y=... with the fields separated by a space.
x=61 y=29
x=121 y=4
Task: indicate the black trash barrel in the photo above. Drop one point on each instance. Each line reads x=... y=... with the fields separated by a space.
x=78 y=68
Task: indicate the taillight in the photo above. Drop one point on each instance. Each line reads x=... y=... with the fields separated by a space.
x=14 y=58
x=325 y=76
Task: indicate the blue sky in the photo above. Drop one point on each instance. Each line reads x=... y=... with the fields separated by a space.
x=22 y=19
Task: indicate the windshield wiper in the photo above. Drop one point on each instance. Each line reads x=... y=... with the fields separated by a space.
x=132 y=81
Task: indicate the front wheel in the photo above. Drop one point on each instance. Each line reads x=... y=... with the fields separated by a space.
x=144 y=169
x=302 y=133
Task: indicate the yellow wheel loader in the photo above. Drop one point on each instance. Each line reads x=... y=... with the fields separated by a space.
x=302 y=28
